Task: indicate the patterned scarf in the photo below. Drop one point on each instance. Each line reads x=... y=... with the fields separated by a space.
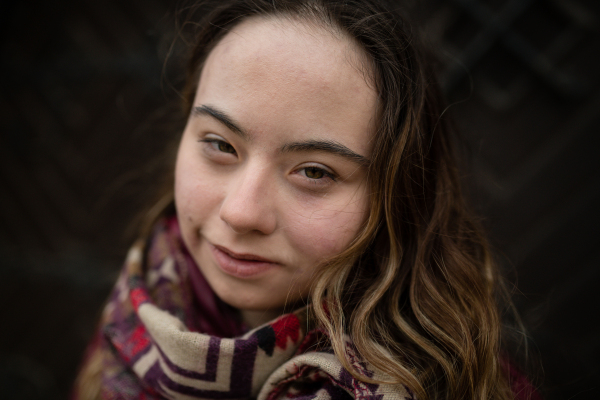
x=164 y=334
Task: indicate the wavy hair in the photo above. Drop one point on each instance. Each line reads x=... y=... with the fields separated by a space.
x=416 y=290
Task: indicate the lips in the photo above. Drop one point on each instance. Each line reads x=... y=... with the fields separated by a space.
x=241 y=265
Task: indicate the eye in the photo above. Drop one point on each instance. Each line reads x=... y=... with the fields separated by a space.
x=317 y=175
x=219 y=145
x=225 y=147
x=314 y=173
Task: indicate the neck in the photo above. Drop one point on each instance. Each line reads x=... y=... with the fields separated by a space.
x=254 y=318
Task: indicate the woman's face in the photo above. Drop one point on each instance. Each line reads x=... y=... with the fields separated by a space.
x=270 y=177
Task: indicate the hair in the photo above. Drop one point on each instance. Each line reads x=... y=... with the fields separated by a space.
x=416 y=290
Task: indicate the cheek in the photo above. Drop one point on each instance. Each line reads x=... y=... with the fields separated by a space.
x=329 y=231
x=195 y=195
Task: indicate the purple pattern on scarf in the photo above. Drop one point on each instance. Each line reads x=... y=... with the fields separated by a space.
x=241 y=374
x=212 y=359
x=153 y=376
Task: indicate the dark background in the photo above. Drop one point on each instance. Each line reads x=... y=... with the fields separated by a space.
x=83 y=84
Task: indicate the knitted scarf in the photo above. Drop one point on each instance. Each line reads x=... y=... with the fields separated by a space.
x=165 y=334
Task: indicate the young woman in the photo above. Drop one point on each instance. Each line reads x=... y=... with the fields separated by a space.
x=316 y=243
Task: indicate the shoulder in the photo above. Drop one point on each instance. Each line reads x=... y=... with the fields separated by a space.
x=315 y=372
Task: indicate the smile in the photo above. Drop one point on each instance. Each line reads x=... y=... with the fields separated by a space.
x=240 y=265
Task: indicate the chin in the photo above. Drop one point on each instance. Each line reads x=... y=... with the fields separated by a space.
x=249 y=302
x=254 y=298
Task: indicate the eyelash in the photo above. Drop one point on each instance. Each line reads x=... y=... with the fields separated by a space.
x=218 y=143
x=315 y=181
x=326 y=174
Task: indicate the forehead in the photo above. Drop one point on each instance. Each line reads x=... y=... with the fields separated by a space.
x=265 y=69
x=292 y=46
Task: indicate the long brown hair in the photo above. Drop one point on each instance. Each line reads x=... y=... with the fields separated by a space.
x=417 y=289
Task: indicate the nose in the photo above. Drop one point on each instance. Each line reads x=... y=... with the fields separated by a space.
x=249 y=204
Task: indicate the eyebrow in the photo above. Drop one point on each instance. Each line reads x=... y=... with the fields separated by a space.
x=221 y=117
x=327 y=146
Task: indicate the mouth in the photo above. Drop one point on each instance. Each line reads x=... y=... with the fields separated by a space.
x=247 y=257
x=240 y=265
